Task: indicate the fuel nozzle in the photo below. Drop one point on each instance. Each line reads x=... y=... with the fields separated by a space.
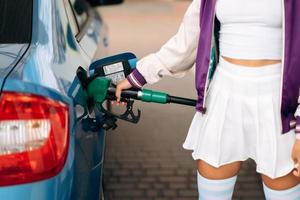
x=100 y=89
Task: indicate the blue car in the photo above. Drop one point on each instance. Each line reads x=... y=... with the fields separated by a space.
x=49 y=149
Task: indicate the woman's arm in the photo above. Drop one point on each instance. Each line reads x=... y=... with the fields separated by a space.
x=174 y=58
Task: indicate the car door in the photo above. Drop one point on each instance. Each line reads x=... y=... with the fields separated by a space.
x=90 y=139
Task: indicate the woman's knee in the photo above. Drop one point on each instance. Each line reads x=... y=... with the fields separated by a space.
x=223 y=172
x=214 y=181
x=281 y=183
x=286 y=187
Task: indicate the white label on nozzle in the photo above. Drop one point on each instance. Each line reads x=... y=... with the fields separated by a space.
x=113 y=68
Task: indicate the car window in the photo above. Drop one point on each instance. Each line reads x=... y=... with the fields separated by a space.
x=15 y=21
x=80 y=11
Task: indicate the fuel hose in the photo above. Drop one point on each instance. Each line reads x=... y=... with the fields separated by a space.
x=153 y=96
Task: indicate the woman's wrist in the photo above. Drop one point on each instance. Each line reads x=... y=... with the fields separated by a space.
x=136 y=79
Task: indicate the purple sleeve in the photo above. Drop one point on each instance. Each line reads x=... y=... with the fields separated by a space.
x=136 y=79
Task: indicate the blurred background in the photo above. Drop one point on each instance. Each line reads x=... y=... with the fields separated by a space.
x=147 y=161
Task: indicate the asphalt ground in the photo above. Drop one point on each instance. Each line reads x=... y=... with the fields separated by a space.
x=146 y=160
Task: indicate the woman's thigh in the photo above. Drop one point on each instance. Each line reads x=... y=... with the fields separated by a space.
x=281 y=183
x=222 y=172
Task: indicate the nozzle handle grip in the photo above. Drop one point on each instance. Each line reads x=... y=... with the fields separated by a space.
x=132 y=94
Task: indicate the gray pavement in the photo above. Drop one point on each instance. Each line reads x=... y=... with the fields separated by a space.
x=147 y=161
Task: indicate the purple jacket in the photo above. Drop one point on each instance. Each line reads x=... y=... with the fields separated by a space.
x=208 y=51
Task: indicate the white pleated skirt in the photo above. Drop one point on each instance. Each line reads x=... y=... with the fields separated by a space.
x=243 y=120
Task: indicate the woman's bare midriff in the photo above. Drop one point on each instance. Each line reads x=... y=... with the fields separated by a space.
x=250 y=63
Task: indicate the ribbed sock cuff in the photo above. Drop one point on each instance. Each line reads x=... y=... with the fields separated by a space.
x=289 y=194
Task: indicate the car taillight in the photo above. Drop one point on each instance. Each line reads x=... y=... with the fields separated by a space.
x=34 y=137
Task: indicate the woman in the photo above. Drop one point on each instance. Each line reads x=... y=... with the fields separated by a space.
x=248 y=78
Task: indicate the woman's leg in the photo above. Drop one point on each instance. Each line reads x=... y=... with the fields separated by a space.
x=216 y=183
x=282 y=188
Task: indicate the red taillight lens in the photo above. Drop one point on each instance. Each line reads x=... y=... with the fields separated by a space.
x=34 y=137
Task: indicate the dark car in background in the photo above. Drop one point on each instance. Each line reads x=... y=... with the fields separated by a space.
x=47 y=150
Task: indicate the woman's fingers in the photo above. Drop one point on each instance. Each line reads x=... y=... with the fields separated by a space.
x=118 y=92
x=122 y=103
x=296 y=158
x=123 y=85
x=296 y=171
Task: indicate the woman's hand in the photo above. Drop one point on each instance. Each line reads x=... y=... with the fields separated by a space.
x=122 y=85
x=296 y=157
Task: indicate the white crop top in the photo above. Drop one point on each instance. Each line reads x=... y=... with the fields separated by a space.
x=250 y=29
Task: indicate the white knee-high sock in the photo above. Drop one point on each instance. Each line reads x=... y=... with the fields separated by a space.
x=289 y=194
x=215 y=189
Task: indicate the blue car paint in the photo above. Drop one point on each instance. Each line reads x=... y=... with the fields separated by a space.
x=48 y=69
x=14 y=53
